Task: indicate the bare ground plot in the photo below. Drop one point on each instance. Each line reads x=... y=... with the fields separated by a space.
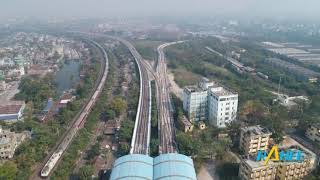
x=147 y=48
x=174 y=87
x=183 y=77
x=208 y=171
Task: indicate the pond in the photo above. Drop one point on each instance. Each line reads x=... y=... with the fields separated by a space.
x=68 y=75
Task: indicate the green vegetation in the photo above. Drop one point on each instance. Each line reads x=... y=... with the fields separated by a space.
x=154 y=141
x=228 y=171
x=118 y=105
x=200 y=144
x=45 y=135
x=36 y=90
x=82 y=138
x=8 y=171
x=86 y=172
x=256 y=105
x=147 y=48
x=255 y=100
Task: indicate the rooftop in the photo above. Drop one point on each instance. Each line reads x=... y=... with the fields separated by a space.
x=256 y=130
x=286 y=144
x=164 y=166
x=192 y=89
x=10 y=109
x=317 y=125
x=185 y=121
x=221 y=91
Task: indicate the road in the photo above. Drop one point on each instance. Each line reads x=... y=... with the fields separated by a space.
x=165 y=115
x=77 y=123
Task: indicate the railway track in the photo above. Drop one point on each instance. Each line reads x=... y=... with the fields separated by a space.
x=141 y=136
x=78 y=122
x=140 y=143
x=165 y=115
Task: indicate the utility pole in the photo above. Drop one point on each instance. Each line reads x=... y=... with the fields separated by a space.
x=279 y=86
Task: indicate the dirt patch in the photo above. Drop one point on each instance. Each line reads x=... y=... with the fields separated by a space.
x=184 y=78
x=208 y=171
x=174 y=87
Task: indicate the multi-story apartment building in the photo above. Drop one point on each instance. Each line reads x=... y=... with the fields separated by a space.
x=195 y=103
x=251 y=169
x=313 y=132
x=9 y=142
x=222 y=106
x=253 y=139
x=295 y=170
x=211 y=102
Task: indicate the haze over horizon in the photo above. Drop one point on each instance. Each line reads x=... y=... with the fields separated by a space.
x=295 y=9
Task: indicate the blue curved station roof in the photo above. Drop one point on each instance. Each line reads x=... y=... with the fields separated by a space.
x=133 y=166
x=163 y=167
x=173 y=167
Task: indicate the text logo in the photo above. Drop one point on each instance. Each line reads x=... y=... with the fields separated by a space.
x=274 y=155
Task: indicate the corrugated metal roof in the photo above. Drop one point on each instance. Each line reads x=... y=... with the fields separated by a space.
x=9 y=117
x=173 y=167
x=49 y=105
x=166 y=166
x=133 y=166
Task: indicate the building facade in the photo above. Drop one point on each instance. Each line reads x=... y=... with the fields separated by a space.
x=253 y=139
x=9 y=142
x=195 y=103
x=294 y=170
x=210 y=102
x=252 y=169
x=313 y=132
x=223 y=105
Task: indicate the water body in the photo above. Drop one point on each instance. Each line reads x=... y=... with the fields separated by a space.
x=68 y=75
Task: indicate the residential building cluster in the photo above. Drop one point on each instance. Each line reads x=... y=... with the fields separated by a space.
x=9 y=141
x=256 y=138
x=23 y=54
x=210 y=102
x=31 y=53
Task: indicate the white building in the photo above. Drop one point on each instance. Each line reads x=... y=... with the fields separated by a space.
x=210 y=101
x=195 y=103
x=223 y=106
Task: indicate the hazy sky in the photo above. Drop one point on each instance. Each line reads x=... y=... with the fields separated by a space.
x=105 y=8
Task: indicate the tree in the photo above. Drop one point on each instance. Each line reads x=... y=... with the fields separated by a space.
x=124 y=149
x=86 y=172
x=8 y=170
x=93 y=152
x=119 y=105
x=125 y=132
x=111 y=114
x=185 y=144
